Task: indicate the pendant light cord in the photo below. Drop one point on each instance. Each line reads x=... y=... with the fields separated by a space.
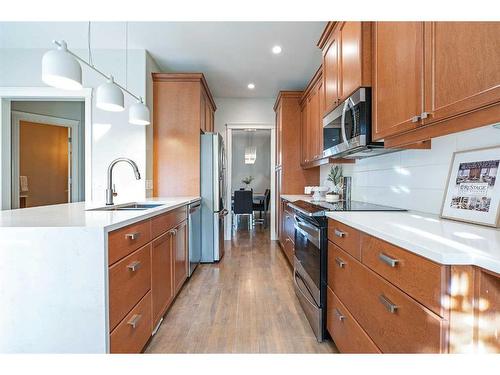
x=91 y=61
x=126 y=54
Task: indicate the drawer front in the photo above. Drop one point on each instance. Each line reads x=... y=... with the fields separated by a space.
x=289 y=226
x=394 y=321
x=129 y=281
x=124 y=241
x=347 y=238
x=347 y=334
x=161 y=223
x=134 y=331
x=420 y=278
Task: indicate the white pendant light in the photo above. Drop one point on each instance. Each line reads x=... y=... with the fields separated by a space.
x=109 y=97
x=60 y=69
x=138 y=114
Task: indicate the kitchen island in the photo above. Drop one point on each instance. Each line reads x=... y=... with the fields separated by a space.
x=55 y=273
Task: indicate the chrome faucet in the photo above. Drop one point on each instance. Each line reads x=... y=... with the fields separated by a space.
x=110 y=191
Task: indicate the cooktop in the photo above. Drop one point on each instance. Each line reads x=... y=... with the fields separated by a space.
x=321 y=208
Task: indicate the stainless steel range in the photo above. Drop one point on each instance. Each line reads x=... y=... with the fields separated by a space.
x=311 y=250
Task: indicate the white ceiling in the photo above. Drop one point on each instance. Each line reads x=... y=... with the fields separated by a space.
x=231 y=54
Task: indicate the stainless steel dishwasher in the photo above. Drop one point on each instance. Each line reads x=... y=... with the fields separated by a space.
x=194 y=244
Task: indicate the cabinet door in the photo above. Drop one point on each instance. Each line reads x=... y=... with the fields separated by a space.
x=488 y=311
x=398 y=77
x=319 y=132
x=314 y=120
x=203 y=112
x=181 y=255
x=350 y=57
x=208 y=116
x=462 y=72
x=304 y=123
x=331 y=72
x=279 y=135
x=161 y=275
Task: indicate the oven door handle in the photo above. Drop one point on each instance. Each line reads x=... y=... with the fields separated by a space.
x=312 y=233
x=295 y=275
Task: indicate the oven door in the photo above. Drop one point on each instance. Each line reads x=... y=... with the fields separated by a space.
x=307 y=273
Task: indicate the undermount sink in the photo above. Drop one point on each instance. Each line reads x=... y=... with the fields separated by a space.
x=129 y=207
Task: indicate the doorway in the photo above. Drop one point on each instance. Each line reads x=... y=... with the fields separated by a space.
x=242 y=130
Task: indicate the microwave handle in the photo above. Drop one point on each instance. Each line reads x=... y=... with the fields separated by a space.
x=342 y=121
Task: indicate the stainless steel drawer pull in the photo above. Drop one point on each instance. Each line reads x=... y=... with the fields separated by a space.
x=134 y=320
x=339 y=315
x=132 y=236
x=340 y=262
x=387 y=304
x=388 y=260
x=134 y=266
x=339 y=233
x=415 y=118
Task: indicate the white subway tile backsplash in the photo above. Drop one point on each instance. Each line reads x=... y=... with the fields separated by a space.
x=413 y=179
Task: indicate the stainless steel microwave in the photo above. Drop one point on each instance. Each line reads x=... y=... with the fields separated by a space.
x=347 y=129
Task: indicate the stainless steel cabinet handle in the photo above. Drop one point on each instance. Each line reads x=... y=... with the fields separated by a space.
x=132 y=236
x=134 y=320
x=340 y=262
x=415 y=118
x=339 y=315
x=388 y=260
x=391 y=307
x=134 y=266
x=424 y=115
x=339 y=233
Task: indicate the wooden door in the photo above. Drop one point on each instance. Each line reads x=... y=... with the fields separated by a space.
x=180 y=249
x=161 y=275
x=331 y=74
x=461 y=72
x=44 y=162
x=398 y=77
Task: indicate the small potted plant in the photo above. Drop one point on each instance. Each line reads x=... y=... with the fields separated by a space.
x=247 y=181
x=335 y=178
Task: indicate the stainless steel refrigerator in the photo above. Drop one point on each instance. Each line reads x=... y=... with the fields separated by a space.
x=213 y=193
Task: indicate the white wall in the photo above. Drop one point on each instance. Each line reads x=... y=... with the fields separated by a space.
x=112 y=135
x=413 y=179
x=260 y=170
x=242 y=110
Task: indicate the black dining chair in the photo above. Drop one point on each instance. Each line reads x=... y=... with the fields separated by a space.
x=243 y=206
x=263 y=206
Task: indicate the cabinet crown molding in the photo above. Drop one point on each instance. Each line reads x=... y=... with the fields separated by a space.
x=287 y=94
x=185 y=77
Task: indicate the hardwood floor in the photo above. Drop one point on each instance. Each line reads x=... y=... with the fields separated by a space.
x=243 y=304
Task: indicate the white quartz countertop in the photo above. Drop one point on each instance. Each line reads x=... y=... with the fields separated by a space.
x=78 y=214
x=440 y=240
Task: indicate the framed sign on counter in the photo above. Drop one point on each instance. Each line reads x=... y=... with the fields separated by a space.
x=473 y=193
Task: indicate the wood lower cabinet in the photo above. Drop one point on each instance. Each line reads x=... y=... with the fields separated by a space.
x=398 y=68
x=180 y=251
x=143 y=284
x=162 y=275
x=287 y=231
x=404 y=303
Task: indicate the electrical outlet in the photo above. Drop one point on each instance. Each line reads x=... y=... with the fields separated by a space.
x=149 y=184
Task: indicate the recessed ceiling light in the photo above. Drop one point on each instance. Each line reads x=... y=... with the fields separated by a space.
x=251 y=86
x=276 y=50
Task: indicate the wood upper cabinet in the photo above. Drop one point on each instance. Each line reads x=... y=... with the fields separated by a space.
x=346 y=60
x=312 y=104
x=161 y=275
x=331 y=73
x=183 y=106
x=304 y=124
x=180 y=251
x=461 y=72
x=398 y=77
x=289 y=144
